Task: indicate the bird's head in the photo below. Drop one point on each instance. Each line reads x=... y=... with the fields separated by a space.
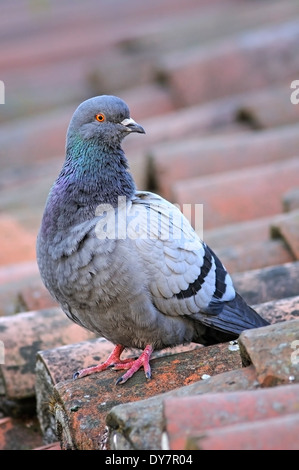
x=103 y=118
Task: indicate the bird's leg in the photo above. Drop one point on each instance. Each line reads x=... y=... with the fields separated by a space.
x=132 y=365
x=135 y=364
x=112 y=360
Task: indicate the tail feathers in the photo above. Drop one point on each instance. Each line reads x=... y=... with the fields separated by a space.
x=233 y=316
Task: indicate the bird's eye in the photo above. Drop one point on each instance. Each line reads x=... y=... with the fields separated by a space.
x=100 y=117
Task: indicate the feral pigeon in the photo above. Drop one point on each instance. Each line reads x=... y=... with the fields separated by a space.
x=127 y=264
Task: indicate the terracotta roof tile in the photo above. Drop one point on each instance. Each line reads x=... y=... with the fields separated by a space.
x=256 y=230
x=180 y=160
x=271 y=434
x=17 y=244
x=81 y=406
x=19 y=434
x=238 y=195
x=24 y=294
x=254 y=255
x=23 y=335
x=16 y=271
x=270 y=352
x=271 y=283
x=233 y=420
x=291 y=199
x=215 y=102
x=37 y=325
x=268 y=108
x=271 y=52
x=287 y=227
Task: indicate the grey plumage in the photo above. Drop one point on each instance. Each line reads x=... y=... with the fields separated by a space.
x=127 y=264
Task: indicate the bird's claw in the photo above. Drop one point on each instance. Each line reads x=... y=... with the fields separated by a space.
x=123 y=379
x=119 y=381
x=76 y=375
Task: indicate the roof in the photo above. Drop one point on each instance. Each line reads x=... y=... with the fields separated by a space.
x=210 y=81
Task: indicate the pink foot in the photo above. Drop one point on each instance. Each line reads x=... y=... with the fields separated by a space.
x=133 y=365
x=113 y=359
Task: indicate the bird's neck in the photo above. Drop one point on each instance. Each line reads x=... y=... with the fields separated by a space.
x=91 y=175
x=100 y=173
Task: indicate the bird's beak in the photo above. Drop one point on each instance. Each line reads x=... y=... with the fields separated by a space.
x=132 y=126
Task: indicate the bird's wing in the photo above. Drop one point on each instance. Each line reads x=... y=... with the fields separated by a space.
x=185 y=276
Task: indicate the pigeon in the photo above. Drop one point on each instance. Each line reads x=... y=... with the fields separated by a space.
x=126 y=264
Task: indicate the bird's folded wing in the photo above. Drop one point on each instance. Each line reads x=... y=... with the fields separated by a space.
x=184 y=274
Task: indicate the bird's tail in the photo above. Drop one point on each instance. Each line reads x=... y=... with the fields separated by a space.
x=233 y=316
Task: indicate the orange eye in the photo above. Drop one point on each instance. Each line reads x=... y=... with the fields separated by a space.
x=100 y=117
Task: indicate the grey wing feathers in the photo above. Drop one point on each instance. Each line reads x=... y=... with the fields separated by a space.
x=234 y=316
x=186 y=276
